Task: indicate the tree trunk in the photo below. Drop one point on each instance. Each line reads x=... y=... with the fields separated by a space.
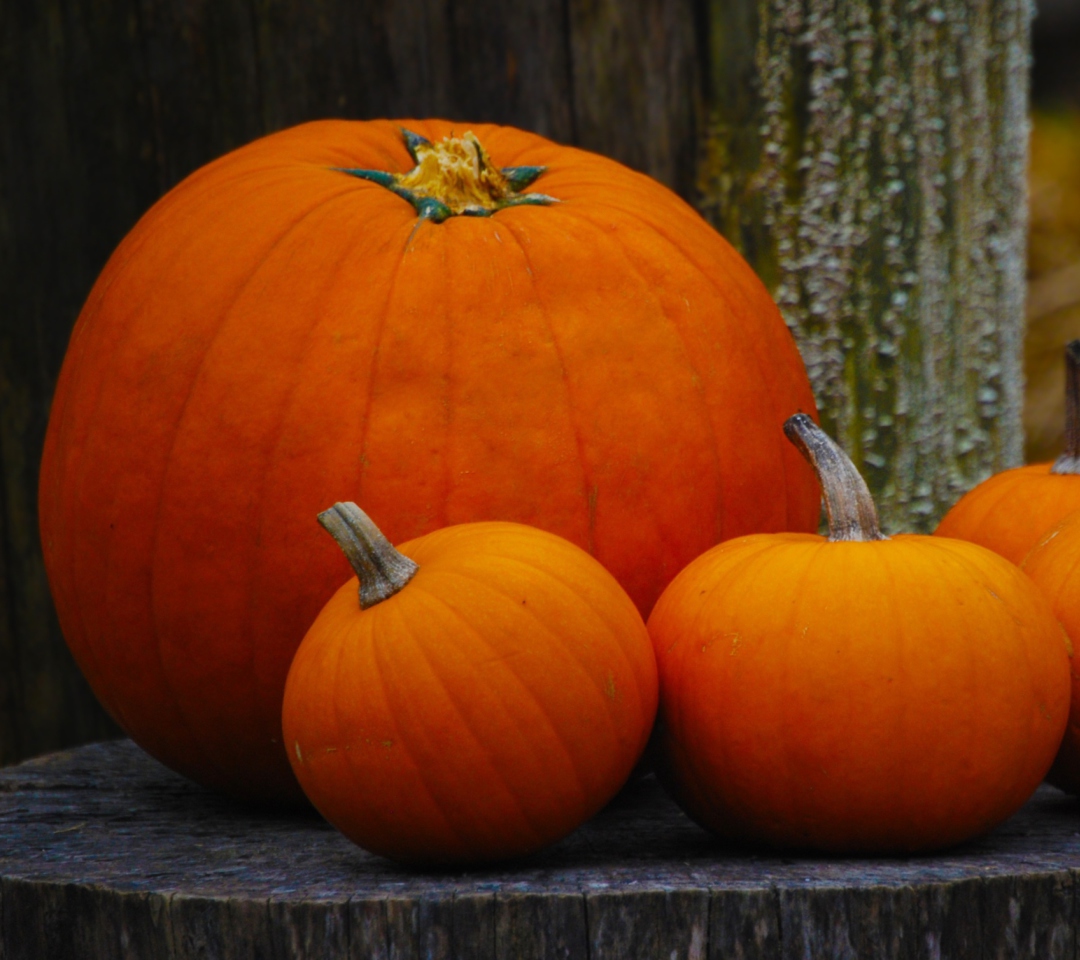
x=868 y=158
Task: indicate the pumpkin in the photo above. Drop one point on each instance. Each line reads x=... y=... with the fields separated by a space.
x=855 y=693
x=534 y=334
x=1012 y=510
x=1054 y=565
x=490 y=691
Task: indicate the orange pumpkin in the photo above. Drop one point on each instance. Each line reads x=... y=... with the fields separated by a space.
x=292 y=321
x=490 y=691
x=1012 y=510
x=855 y=694
x=1054 y=565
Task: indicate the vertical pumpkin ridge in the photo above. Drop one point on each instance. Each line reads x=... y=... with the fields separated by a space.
x=572 y=412
x=98 y=294
x=726 y=292
x=901 y=777
x=555 y=738
x=569 y=649
x=618 y=243
x=379 y=661
x=674 y=701
x=977 y=692
x=699 y=386
x=371 y=660
x=450 y=381
x=383 y=321
x=88 y=646
x=197 y=376
x=744 y=577
x=455 y=704
x=787 y=682
x=272 y=447
x=979 y=576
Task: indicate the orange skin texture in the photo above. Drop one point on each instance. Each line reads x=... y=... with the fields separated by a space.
x=488 y=708
x=1010 y=512
x=1054 y=565
x=275 y=335
x=856 y=698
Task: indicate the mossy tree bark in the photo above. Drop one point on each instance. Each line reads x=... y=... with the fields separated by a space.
x=868 y=157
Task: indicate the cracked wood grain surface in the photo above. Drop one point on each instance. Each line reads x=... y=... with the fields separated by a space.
x=105 y=853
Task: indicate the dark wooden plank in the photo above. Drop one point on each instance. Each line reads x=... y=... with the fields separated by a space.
x=815 y=923
x=880 y=925
x=35 y=924
x=402 y=928
x=145 y=926
x=474 y=926
x=950 y=921
x=535 y=926
x=744 y=924
x=104 y=852
x=315 y=928
x=636 y=79
x=63 y=206
x=632 y=924
x=1029 y=919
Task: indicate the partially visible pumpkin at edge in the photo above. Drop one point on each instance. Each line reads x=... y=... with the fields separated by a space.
x=277 y=333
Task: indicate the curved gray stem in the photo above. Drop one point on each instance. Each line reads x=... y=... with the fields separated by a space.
x=850 y=508
x=381 y=570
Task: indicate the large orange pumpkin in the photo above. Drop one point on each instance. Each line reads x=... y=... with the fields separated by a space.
x=1011 y=511
x=855 y=694
x=1054 y=565
x=584 y=355
x=489 y=691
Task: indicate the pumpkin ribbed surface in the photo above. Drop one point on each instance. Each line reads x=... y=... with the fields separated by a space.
x=1054 y=565
x=276 y=334
x=870 y=697
x=485 y=710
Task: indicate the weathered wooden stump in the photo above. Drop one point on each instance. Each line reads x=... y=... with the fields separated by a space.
x=106 y=854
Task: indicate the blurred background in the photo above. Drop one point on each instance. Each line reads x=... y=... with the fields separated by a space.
x=1054 y=234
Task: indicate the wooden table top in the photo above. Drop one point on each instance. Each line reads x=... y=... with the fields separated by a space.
x=104 y=852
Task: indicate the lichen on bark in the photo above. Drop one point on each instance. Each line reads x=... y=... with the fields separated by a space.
x=868 y=158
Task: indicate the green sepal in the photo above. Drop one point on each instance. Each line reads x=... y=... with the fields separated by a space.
x=530 y=200
x=381 y=177
x=412 y=141
x=427 y=207
x=522 y=177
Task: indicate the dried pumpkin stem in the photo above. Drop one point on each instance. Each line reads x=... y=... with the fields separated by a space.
x=850 y=508
x=456 y=177
x=381 y=570
x=1069 y=461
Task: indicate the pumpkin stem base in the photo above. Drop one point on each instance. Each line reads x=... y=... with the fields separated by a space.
x=381 y=570
x=850 y=508
x=456 y=178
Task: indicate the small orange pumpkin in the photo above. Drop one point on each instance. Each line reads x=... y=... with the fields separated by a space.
x=1054 y=565
x=1012 y=510
x=855 y=694
x=492 y=689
